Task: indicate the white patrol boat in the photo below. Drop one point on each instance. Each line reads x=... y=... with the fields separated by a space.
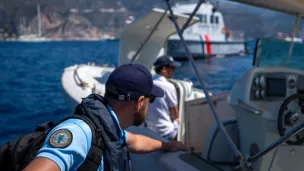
x=207 y=38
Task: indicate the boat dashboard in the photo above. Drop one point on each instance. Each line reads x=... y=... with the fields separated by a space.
x=267 y=84
x=263 y=90
x=270 y=100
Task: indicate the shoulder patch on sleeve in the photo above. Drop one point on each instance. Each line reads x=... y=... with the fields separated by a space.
x=61 y=138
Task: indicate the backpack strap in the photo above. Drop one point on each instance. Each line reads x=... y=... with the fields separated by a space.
x=93 y=159
x=100 y=140
x=100 y=132
x=96 y=137
x=82 y=113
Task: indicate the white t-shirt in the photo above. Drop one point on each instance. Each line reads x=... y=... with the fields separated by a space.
x=158 y=116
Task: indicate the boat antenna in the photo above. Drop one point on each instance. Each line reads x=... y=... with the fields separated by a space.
x=149 y=36
x=294 y=31
x=237 y=153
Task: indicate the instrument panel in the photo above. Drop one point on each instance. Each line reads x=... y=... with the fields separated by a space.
x=272 y=86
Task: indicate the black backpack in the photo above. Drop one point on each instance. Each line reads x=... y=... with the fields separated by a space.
x=17 y=154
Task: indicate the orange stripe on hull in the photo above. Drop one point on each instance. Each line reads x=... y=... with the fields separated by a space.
x=208 y=45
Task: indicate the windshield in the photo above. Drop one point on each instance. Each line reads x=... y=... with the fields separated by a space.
x=273 y=52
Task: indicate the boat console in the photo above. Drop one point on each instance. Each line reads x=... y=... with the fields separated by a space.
x=274 y=86
x=267 y=102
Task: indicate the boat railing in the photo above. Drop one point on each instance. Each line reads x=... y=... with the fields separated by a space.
x=237 y=35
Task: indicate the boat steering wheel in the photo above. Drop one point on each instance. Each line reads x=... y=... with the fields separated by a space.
x=291 y=113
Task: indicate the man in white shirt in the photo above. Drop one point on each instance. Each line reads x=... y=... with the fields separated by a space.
x=162 y=116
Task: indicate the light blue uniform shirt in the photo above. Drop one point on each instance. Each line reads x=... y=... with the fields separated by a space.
x=72 y=156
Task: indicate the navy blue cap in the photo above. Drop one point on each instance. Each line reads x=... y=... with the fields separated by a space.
x=130 y=81
x=166 y=60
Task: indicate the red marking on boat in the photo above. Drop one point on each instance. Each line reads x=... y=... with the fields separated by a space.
x=208 y=44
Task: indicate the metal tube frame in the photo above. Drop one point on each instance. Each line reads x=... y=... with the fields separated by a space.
x=278 y=142
x=200 y=79
x=275 y=144
x=192 y=15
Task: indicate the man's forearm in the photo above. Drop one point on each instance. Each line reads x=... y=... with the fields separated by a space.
x=144 y=144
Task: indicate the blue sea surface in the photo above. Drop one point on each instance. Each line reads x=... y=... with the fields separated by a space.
x=30 y=89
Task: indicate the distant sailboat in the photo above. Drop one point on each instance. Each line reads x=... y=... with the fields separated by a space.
x=35 y=37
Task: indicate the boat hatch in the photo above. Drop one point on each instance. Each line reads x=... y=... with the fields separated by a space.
x=135 y=35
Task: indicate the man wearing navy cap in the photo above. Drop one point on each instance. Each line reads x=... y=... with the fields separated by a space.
x=129 y=90
x=163 y=117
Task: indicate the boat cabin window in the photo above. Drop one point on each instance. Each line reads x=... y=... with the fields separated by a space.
x=199 y=16
x=202 y=18
x=214 y=19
